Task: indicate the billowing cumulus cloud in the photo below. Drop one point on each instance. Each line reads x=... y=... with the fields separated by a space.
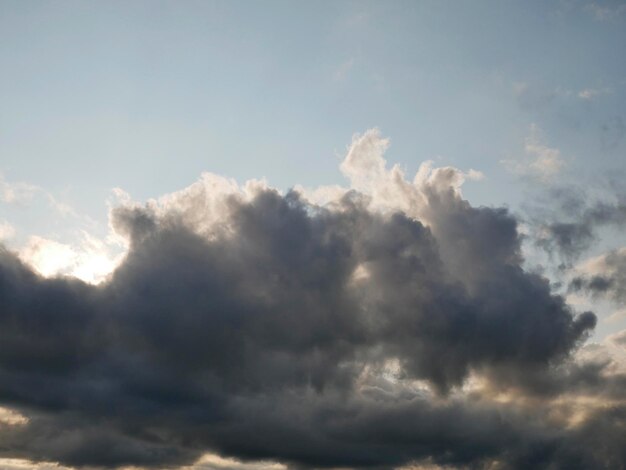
x=390 y=324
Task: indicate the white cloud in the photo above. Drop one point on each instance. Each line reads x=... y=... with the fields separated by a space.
x=590 y=93
x=606 y=12
x=48 y=257
x=20 y=192
x=216 y=462
x=322 y=195
x=90 y=260
x=61 y=207
x=16 y=192
x=475 y=175
x=540 y=161
x=11 y=417
x=23 y=464
x=388 y=188
x=546 y=161
x=205 y=206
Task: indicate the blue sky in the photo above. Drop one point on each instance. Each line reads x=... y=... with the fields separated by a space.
x=145 y=96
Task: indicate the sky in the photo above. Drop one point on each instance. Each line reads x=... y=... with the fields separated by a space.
x=253 y=235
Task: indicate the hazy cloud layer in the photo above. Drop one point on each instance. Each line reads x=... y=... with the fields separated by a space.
x=394 y=324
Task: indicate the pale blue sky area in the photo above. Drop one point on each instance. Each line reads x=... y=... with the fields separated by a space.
x=147 y=95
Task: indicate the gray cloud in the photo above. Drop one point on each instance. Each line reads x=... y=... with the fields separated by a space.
x=573 y=225
x=607 y=278
x=263 y=340
x=393 y=324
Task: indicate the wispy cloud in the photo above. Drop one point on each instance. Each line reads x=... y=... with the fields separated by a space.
x=540 y=161
x=590 y=93
x=607 y=10
x=16 y=192
x=23 y=193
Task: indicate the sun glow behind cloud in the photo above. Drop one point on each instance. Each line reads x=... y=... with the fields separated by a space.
x=454 y=300
x=91 y=260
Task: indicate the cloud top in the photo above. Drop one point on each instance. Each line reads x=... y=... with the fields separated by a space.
x=374 y=330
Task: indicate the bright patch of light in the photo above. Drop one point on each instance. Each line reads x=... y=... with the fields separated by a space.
x=360 y=273
x=91 y=260
x=216 y=462
x=11 y=417
x=19 y=464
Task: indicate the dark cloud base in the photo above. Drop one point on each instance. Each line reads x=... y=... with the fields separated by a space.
x=273 y=340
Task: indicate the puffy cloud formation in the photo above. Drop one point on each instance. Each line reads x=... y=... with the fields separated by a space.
x=390 y=325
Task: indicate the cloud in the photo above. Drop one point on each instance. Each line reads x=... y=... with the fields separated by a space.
x=381 y=329
x=16 y=192
x=616 y=316
x=215 y=462
x=541 y=163
x=603 y=276
x=573 y=226
x=90 y=260
x=23 y=464
x=619 y=338
x=23 y=193
x=607 y=10
x=62 y=208
x=590 y=93
x=11 y=418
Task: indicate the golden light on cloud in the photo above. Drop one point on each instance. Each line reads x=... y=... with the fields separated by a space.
x=23 y=464
x=11 y=417
x=216 y=462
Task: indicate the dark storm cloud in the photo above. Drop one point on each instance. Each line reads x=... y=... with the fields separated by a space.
x=260 y=342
